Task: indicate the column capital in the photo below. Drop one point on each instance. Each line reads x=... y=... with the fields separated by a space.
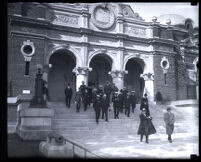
x=81 y=70
x=118 y=73
x=147 y=76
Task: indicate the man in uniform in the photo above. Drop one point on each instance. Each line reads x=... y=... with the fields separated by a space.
x=127 y=104
x=78 y=100
x=68 y=93
x=133 y=100
x=115 y=101
x=97 y=107
x=169 y=122
x=105 y=106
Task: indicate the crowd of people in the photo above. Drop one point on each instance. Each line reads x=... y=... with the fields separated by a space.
x=122 y=101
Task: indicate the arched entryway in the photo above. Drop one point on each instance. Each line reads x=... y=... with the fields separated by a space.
x=62 y=62
x=132 y=80
x=101 y=64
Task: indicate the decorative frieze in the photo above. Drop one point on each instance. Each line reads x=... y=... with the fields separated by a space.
x=66 y=19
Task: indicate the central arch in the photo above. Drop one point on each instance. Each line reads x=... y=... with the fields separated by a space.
x=101 y=64
x=63 y=62
x=132 y=80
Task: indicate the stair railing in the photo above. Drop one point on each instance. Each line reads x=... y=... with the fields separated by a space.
x=82 y=148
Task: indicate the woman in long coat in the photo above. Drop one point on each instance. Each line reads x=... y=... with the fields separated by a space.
x=146 y=126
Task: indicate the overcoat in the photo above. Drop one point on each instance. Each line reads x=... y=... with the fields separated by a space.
x=105 y=104
x=115 y=100
x=169 y=122
x=146 y=126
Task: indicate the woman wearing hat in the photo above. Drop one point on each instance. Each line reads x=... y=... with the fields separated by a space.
x=146 y=126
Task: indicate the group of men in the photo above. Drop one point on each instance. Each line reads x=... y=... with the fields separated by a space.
x=101 y=99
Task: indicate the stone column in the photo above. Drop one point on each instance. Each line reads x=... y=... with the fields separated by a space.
x=118 y=77
x=81 y=75
x=149 y=85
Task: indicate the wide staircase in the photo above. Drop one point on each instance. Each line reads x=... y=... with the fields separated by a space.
x=112 y=139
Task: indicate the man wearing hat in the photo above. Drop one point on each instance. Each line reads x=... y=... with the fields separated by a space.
x=145 y=104
x=133 y=100
x=146 y=126
x=127 y=104
x=169 y=122
x=97 y=107
x=68 y=92
x=115 y=100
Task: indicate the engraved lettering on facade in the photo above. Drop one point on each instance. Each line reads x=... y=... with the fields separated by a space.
x=136 y=31
x=66 y=19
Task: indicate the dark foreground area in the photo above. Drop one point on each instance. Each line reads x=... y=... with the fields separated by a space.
x=18 y=148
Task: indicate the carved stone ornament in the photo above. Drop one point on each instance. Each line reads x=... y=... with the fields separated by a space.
x=103 y=16
x=82 y=70
x=147 y=76
x=27 y=50
x=118 y=73
x=165 y=65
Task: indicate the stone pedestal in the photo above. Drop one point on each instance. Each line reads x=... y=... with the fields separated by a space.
x=53 y=149
x=149 y=85
x=33 y=123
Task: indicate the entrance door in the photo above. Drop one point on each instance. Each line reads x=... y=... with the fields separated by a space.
x=132 y=80
x=60 y=74
x=101 y=65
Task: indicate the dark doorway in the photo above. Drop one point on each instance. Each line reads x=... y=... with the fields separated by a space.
x=101 y=65
x=60 y=74
x=132 y=80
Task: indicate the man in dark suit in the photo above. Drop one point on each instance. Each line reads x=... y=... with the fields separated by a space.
x=68 y=93
x=86 y=98
x=82 y=89
x=108 y=90
x=120 y=101
x=97 y=107
x=124 y=93
x=127 y=104
x=115 y=100
x=169 y=122
x=105 y=106
x=78 y=100
x=133 y=100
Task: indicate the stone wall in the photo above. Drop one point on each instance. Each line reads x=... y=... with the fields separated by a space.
x=167 y=90
x=16 y=68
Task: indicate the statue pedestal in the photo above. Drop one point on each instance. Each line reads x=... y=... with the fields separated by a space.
x=33 y=123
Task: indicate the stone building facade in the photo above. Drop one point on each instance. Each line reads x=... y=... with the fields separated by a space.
x=97 y=42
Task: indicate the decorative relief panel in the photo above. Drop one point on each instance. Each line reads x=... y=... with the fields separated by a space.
x=135 y=31
x=66 y=20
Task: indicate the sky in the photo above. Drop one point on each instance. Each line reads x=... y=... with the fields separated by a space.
x=148 y=10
